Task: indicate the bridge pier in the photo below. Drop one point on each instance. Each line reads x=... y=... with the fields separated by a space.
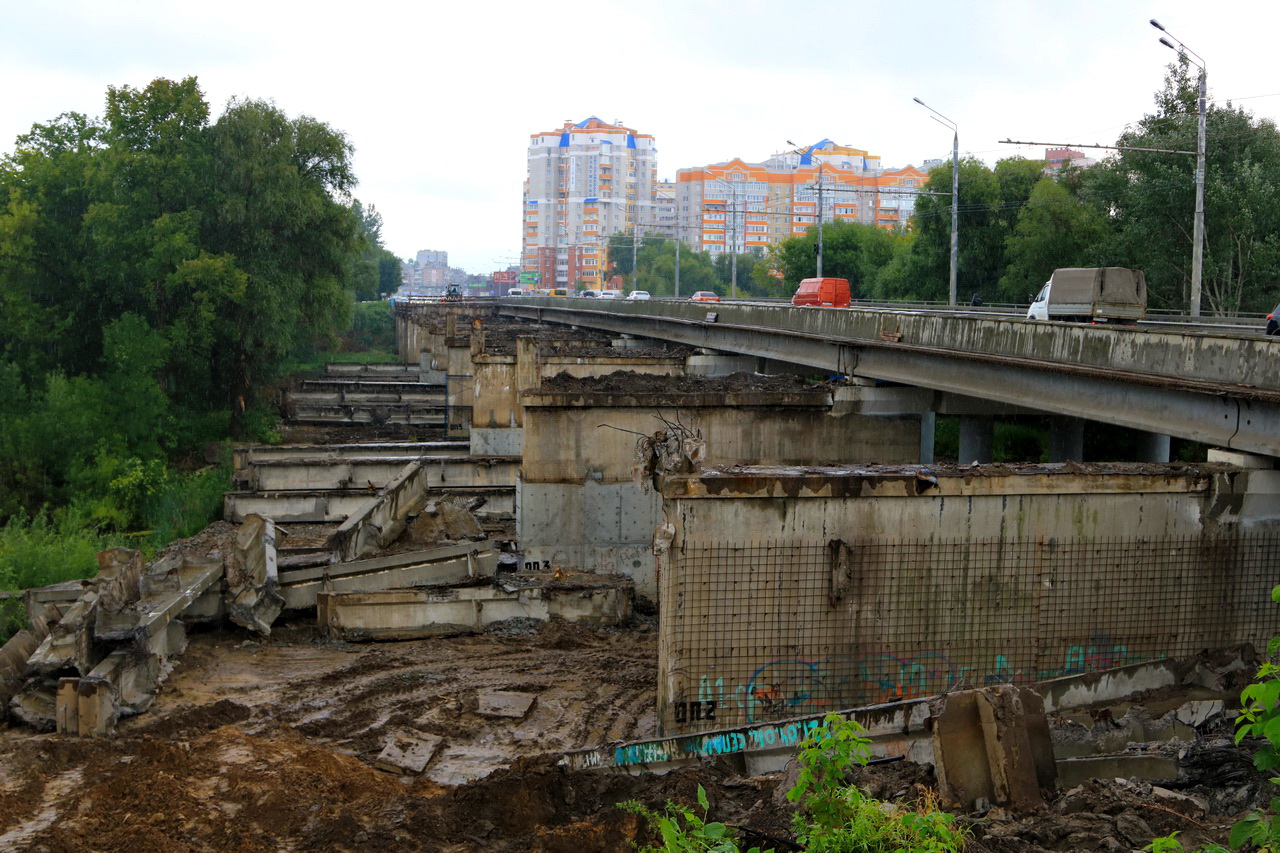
x=1066 y=439
x=928 y=426
x=977 y=434
x=1153 y=447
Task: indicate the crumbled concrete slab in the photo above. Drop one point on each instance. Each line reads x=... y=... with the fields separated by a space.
x=407 y=753
x=1199 y=712
x=505 y=703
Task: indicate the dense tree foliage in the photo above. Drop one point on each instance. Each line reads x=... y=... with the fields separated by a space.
x=155 y=266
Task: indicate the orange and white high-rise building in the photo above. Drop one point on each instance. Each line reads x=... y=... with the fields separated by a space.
x=744 y=206
x=586 y=181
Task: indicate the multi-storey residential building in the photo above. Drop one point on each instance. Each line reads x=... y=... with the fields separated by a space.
x=585 y=182
x=747 y=206
x=1057 y=158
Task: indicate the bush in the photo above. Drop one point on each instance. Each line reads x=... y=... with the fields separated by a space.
x=42 y=551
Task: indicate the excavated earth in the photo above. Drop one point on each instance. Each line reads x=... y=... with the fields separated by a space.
x=267 y=744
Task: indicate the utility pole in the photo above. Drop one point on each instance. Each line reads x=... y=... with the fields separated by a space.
x=1197 y=239
x=955 y=193
x=733 y=261
x=677 y=284
x=819 y=219
x=820 y=164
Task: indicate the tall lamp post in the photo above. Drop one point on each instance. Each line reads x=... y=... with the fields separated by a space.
x=1197 y=238
x=819 y=264
x=955 y=192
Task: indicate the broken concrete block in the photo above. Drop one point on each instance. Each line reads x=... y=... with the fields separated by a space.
x=67 y=707
x=120 y=573
x=70 y=642
x=407 y=752
x=150 y=616
x=1197 y=713
x=98 y=710
x=992 y=745
x=253 y=596
x=505 y=703
x=35 y=703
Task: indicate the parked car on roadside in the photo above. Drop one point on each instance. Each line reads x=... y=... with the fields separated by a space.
x=1273 y=322
x=641 y=295
x=704 y=296
x=610 y=294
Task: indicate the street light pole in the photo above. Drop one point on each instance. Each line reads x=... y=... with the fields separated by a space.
x=955 y=193
x=1197 y=239
x=820 y=164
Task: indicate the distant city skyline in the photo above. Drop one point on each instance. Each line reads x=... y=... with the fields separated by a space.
x=440 y=133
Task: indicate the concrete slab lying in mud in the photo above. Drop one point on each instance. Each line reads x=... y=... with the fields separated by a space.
x=447 y=564
x=404 y=614
x=505 y=703
x=407 y=752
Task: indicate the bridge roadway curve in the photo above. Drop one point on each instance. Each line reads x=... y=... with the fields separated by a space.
x=1221 y=388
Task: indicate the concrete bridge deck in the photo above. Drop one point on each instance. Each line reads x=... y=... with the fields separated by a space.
x=1220 y=388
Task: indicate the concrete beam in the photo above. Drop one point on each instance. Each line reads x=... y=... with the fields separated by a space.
x=432 y=567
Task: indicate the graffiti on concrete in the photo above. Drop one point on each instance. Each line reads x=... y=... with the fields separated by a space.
x=719 y=743
x=791 y=687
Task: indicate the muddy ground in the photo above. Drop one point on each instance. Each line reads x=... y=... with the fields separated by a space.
x=267 y=744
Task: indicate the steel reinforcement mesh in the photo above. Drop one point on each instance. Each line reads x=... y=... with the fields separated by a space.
x=774 y=630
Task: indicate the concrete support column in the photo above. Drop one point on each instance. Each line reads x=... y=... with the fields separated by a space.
x=1066 y=439
x=928 y=421
x=976 y=436
x=1153 y=447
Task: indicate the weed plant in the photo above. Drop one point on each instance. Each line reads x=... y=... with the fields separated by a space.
x=834 y=816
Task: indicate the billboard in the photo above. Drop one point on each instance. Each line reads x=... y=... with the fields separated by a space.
x=531 y=278
x=506 y=278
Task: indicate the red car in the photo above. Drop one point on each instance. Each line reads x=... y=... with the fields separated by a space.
x=704 y=296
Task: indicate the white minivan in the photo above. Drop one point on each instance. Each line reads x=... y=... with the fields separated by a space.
x=515 y=291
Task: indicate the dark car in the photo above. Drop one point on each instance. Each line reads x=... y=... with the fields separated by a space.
x=1273 y=322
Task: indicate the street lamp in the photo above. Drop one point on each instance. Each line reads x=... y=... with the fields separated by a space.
x=955 y=191
x=819 y=269
x=1197 y=239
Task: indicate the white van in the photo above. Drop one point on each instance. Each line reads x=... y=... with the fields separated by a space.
x=515 y=291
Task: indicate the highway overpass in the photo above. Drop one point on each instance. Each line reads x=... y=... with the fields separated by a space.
x=1217 y=387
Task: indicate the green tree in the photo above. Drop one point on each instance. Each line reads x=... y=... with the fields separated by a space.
x=1054 y=229
x=1148 y=198
x=154 y=267
x=850 y=250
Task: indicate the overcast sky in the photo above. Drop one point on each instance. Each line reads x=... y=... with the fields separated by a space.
x=440 y=99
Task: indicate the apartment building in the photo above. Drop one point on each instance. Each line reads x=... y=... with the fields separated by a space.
x=744 y=206
x=585 y=181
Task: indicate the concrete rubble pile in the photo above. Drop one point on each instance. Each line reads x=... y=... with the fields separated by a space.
x=103 y=654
